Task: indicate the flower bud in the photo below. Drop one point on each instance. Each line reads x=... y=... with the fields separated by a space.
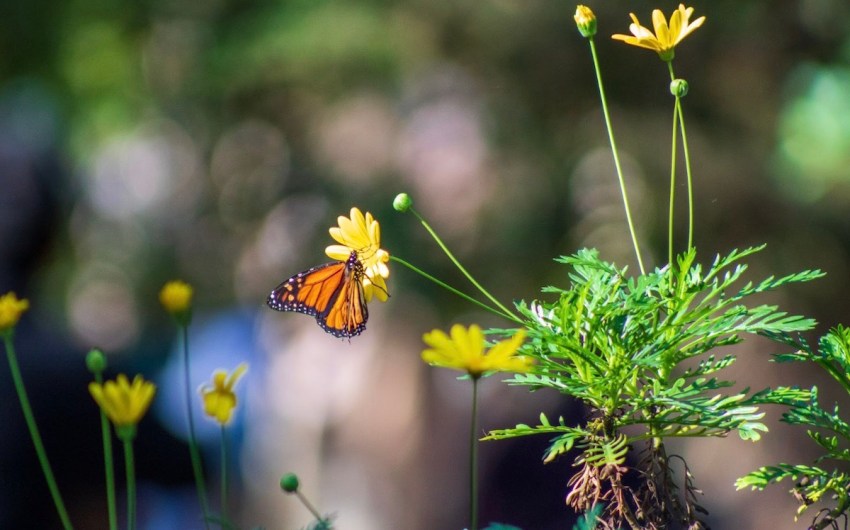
x=11 y=309
x=585 y=21
x=679 y=88
x=176 y=298
x=402 y=202
x=289 y=483
x=96 y=361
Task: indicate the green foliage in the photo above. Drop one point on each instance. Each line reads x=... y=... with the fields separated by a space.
x=825 y=428
x=640 y=353
x=621 y=346
x=321 y=524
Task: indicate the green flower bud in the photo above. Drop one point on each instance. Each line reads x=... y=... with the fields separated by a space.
x=679 y=88
x=289 y=483
x=402 y=202
x=585 y=21
x=96 y=361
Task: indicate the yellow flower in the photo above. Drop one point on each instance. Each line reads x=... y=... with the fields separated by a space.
x=362 y=234
x=124 y=404
x=464 y=350
x=176 y=296
x=219 y=398
x=11 y=309
x=665 y=38
x=585 y=21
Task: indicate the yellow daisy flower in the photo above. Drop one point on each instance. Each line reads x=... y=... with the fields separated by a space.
x=464 y=351
x=219 y=398
x=124 y=404
x=666 y=37
x=11 y=309
x=362 y=234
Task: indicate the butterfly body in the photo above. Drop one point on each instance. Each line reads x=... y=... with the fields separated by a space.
x=332 y=292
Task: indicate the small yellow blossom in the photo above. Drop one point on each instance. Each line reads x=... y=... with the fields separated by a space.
x=219 y=398
x=176 y=297
x=124 y=404
x=11 y=309
x=665 y=38
x=362 y=234
x=585 y=21
x=464 y=350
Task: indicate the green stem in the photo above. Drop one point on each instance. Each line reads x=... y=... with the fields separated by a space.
x=453 y=290
x=687 y=163
x=688 y=174
x=18 y=381
x=223 y=473
x=670 y=220
x=473 y=458
x=108 y=464
x=836 y=372
x=131 y=483
x=615 y=153
x=831 y=517
x=309 y=506
x=194 y=451
x=507 y=312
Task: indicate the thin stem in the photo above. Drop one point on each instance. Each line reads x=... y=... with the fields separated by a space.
x=194 y=452
x=131 y=483
x=506 y=312
x=686 y=150
x=833 y=515
x=473 y=458
x=309 y=506
x=18 y=381
x=670 y=220
x=108 y=464
x=615 y=153
x=688 y=174
x=223 y=473
x=837 y=373
x=451 y=289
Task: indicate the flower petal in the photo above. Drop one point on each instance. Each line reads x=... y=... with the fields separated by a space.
x=338 y=252
x=662 y=31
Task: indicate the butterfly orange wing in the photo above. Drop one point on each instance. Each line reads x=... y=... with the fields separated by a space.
x=332 y=292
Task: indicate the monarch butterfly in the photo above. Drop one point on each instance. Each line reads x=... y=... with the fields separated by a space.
x=332 y=292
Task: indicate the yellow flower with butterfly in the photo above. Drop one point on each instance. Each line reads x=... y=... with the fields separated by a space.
x=336 y=292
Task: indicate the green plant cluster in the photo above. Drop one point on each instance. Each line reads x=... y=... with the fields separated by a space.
x=641 y=354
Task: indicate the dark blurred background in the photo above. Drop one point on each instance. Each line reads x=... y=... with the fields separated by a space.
x=217 y=141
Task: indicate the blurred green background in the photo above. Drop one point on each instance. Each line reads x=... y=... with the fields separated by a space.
x=217 y=141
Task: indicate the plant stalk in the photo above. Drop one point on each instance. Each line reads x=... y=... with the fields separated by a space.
x=473 y=458
x=29 y=417
x=505 y=311
x=194 y=451
x=615 y=154
x=108 y=464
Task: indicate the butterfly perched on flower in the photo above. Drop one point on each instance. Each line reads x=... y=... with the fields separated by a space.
x=332 y=292
x=336 y=293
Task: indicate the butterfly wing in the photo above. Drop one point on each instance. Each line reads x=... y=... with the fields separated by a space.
x=332 y=292
x=347 y=315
